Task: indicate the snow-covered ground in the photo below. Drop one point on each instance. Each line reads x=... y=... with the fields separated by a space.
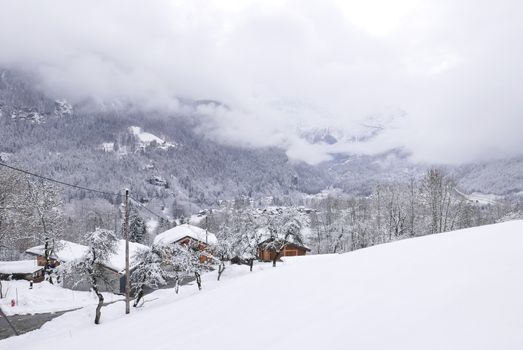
x=45 y=297
x=481 y=198
x=458 y=290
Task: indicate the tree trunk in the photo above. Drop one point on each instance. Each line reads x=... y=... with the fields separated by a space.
x=221 y=268
x=99 y=306
x=276 y=257
x=46 y=257
x=176 y=284
x=198 y=280
x=138 y=297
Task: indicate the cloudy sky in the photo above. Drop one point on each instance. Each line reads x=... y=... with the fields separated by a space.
x=445 y=76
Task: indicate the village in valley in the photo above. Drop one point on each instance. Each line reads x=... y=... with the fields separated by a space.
x=180 y=253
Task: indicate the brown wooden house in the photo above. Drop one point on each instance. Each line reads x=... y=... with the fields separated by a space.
x=188 y=235
x=268 y=249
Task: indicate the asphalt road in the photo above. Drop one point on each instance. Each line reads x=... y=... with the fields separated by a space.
x=25 y=323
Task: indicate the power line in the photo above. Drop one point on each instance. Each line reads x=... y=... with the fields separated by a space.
x=59 y=182
x=149 y=210
x=80 y=187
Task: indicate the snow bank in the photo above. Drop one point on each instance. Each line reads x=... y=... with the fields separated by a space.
x=458 y=290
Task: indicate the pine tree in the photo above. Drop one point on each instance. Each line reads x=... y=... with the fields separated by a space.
x=137 y=227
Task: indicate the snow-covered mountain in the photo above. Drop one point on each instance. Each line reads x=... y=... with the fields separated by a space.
x=113 y=145
x=369 y=127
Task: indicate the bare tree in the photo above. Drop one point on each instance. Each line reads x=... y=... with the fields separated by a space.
x=47 y=224
x=440 y=198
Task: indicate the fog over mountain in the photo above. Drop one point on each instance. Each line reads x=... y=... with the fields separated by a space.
x=445 y=77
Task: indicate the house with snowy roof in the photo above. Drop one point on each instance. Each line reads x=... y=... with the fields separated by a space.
x=188 y=235
x=114 y=267
x=21 y=270
x=275 y=248
x=64 y=251
x=272 y=246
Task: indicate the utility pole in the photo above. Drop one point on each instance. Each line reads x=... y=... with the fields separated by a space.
x=127 y=270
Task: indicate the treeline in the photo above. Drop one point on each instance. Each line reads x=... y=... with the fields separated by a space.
x=337 y=222
x=33 y=211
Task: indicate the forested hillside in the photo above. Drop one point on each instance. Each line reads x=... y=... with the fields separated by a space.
x=101 y=151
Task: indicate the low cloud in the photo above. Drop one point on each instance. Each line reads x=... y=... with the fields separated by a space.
x=282 y=67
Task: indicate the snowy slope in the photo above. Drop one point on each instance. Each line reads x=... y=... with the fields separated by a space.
x=458 y=290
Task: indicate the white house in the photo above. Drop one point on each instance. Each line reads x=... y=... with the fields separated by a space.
x=114 y=267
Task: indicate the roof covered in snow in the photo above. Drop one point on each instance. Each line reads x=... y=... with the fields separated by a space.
x=64 y=250
x=265 y=236
x=181 y=231
x=22 y=266
x=288 y=242
x=117 y=261
x=69 y=251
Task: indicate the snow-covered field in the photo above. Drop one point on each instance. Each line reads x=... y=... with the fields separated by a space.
x=45 y=297
x=481 y=198
x=458 y=290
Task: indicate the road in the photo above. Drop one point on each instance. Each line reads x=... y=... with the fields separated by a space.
x=25 y=323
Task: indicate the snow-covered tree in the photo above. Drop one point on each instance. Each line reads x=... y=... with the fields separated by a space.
x=47 y=224
x=13 y=207
x=137 y=227
x=442 y=203
x=102 y=244
x=187 y=261
x=284 y=226
x=152 y=269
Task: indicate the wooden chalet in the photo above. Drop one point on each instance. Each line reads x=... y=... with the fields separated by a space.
x=267 y=249
x=188 y=235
